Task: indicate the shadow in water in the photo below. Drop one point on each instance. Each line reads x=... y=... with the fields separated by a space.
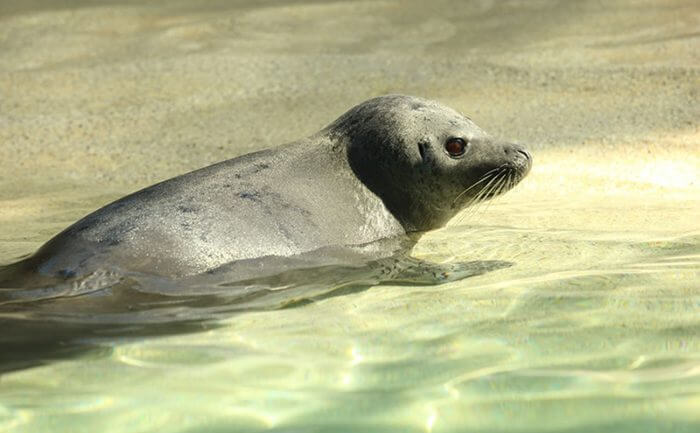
x=69 y=318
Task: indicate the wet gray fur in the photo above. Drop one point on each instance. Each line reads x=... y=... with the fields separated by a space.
x=378 y=171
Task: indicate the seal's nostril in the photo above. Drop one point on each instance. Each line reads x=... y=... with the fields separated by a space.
x=525 y=153
x=517 y=151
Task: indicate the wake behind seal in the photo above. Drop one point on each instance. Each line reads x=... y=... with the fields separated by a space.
x=389 y=166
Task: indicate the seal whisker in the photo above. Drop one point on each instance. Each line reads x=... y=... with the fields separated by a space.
x=486 y=176
x=483 y=203
x=495 y=169
x=493 y=178
x=471 y=205
x=474 y=203
x=483 y=178
x=496 y=190
x=504 y=185
x=483 y=192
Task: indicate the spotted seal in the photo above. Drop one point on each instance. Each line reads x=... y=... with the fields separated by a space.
x=390 y=166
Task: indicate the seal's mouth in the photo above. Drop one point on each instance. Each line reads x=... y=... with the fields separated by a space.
x=513 y=172
x=508 y=175
x=502 y=180
x=523 y=161
x=496 y=181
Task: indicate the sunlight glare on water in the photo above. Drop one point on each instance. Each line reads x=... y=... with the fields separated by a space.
x=593 y=328
x=598 y=315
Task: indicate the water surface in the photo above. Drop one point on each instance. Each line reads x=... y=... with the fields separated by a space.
x=593 y=328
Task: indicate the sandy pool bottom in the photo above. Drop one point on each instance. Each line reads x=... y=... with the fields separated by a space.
x=598 y=315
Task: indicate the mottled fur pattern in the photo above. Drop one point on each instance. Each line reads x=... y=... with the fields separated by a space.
x=378 y=171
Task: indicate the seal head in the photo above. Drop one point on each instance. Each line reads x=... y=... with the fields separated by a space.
x=425 y=160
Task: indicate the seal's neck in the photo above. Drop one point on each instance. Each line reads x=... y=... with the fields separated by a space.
x=392 y=177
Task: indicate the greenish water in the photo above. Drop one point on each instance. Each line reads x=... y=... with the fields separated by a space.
x=595 y=326
x=590 y=330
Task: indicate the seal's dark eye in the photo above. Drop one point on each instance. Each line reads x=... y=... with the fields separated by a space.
x=455 y=147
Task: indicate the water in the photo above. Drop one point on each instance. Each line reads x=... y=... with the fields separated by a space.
x=593 y=328
x=595 y=325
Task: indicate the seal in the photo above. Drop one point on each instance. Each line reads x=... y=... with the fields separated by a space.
x=390 y=166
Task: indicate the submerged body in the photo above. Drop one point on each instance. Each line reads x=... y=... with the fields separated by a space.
x=390 y=166
x=253 y=206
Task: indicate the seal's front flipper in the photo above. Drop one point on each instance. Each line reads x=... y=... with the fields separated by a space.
x=402 y=270
x=412 y=271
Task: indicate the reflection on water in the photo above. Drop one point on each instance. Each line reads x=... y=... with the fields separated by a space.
x=593 y=327
x=57 y=317
x=597 y=315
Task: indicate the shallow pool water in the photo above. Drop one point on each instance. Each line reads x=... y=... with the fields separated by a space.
x=593 y=327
